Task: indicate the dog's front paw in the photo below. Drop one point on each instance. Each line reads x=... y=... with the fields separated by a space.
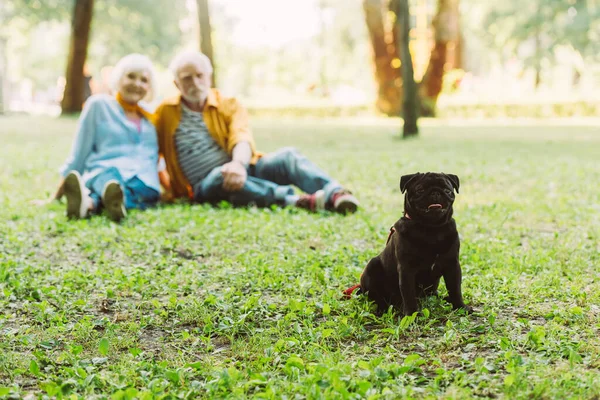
x=462 y=306
x=468 y=309
x=459 y=305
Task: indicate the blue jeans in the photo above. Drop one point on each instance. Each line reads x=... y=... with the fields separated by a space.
x=269 y=181
x=137 y=194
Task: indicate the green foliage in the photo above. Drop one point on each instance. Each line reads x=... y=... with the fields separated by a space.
x=103 y=346
x=36 y=11
x=573 y=24
x=121 y=27
x=40 y=30
x=215 y=302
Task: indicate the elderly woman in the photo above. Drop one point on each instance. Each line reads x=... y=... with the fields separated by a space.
x=114 y=158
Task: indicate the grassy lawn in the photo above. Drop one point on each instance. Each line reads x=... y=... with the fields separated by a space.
x=192 y=301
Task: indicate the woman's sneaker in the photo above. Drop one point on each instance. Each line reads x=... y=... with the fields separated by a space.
x=78 y=201
x=113 y=201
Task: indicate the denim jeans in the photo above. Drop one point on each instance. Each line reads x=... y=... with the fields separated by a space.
x=269 y=181
x=137 y=194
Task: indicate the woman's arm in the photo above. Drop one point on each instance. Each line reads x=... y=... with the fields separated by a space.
x=85 y=137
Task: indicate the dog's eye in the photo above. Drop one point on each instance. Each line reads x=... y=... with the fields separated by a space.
x=420 y=190
x=448 y=191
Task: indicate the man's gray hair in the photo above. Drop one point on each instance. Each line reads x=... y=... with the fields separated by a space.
x=190 y=57
x=134 y=62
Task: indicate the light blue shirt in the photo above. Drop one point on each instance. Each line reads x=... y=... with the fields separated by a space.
x=106 y=138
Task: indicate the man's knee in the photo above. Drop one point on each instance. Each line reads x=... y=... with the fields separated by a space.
x=286 y=155
x=289 y=151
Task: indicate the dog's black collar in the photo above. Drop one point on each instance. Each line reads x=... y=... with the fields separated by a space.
x=425 y=223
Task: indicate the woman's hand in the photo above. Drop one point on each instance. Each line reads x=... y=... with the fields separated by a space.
x=42 y=202
x=56 y=196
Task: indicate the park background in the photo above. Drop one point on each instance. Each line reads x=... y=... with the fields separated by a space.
x=195 y=301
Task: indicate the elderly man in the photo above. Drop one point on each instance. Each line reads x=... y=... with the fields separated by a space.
x=210 y=154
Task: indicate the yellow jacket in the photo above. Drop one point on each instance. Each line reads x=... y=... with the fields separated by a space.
x=227 y=122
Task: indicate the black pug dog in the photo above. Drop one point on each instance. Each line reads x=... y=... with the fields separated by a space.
x=423 y=247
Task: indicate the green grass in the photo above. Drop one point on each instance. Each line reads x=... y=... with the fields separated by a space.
x=192 y=301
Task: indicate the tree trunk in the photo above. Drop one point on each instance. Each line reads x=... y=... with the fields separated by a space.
x=205 y=35
x=410 y=103
x=434 y=76
x=447 y=34
x=80 y=33
x=458 y=59
x=388 y=78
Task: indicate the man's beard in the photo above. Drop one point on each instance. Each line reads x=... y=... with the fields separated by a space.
x=199 y=98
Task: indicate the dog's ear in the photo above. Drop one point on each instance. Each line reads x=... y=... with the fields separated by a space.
x=406 y=179
x=455 y=181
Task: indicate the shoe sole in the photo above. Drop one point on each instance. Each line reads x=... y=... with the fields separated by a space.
x=74 y=189
x=346 y=204
x=112 y=199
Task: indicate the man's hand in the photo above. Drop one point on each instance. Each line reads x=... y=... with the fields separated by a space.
x=234 y=176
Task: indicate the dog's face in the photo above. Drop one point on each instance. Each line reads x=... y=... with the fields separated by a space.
x=429 y=196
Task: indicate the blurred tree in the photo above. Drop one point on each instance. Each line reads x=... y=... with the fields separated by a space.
x=206 y=46
x=133 y=26
x=324 y=8
x=386 y=60
x=332 y=64
x=343 y=55
x=25 y=15
x=410 y=103
x=36 y=11
x=447 y=38
x=532 y=31
x=120 y=27
x=80 y=32
x=388 y=68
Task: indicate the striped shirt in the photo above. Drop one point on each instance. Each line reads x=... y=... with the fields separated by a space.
x=197 y=151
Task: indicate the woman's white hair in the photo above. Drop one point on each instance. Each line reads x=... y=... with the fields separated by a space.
x=134 y=62
x=190 y=57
